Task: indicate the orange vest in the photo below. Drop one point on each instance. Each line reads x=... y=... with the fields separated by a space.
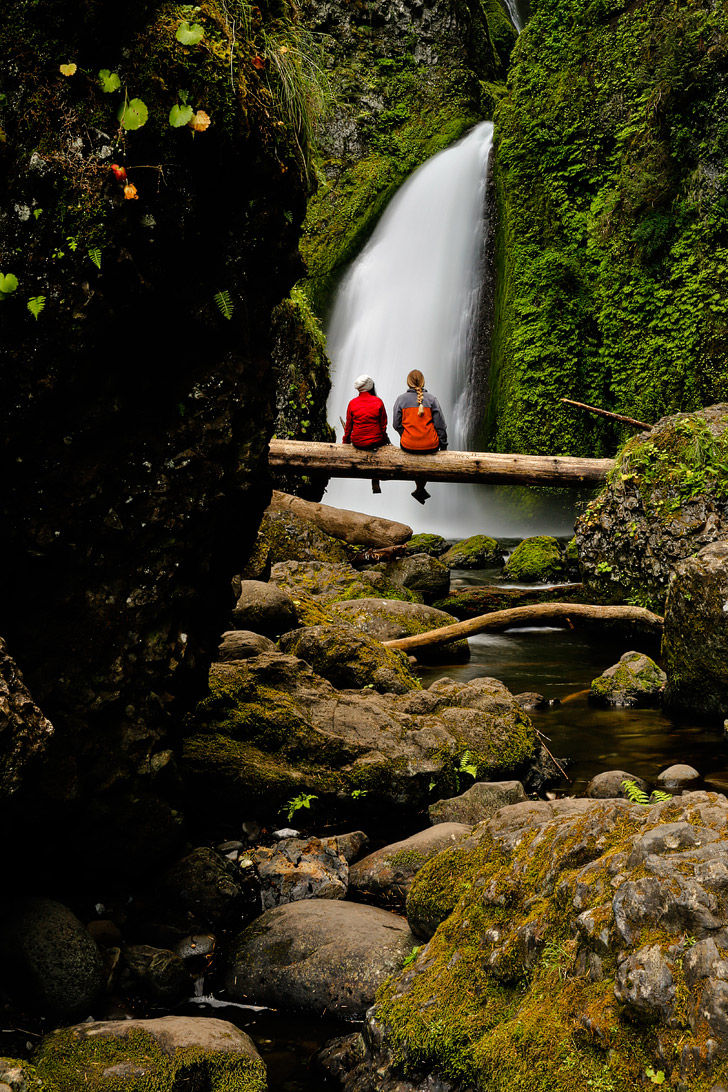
x=418 y=431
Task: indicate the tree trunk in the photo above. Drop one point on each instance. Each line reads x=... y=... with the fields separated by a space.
x=537 y=614
x=389 y=463
x=353 y=527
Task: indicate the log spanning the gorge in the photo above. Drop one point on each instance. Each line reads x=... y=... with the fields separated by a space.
x=390 y=463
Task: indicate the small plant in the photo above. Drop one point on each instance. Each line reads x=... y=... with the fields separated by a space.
x=303 y=800
x=95 y=256
x=8 y=284
x=409 y=959
x=656 y=1076
x=639 y=796
x=181 y=113
x=108 y=81
x=132 y=114
x=190 y=35
x=604 y=567
x=35 y=305
x=225 y=304
x=358 y=794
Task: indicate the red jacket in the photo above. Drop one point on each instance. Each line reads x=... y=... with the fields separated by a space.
x=366 y=421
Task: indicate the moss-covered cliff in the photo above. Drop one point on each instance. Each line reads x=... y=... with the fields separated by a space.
x=136 y=407
x=611 y=169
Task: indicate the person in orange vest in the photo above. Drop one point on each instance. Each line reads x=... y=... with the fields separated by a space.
x=418 y=419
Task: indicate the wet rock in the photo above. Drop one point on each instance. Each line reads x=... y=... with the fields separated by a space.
x=349 y=659
x=49 y=960
x=196 y=951
x=327 y=582
x=647 y=498
x=184 y=1050
x=635 y=680
x=538 y=558
x=610 y=784
x=317 y=956
x=473 y=601
x=434 y=545
x=292 y=537
x=385 y=876
x=238 y=644
x=299 y=868
x=476 y=552
x=24 y=731
x=479 y=802
x=530 y=700
x=695 y=641
x=675 y=777
x=157 y=973
x=390 y=619
x=264 y=608
x=426 y=577
x=272 y=728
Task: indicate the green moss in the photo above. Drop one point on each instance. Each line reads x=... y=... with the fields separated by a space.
x=536 y=558
x=475 y=552
x=434 y=545
x=65 y=1063
x=407 y=858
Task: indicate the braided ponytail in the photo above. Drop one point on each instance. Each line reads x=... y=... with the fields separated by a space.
x=417 y=380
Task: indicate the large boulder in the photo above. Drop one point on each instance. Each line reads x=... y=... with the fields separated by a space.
x=635 y=680
x=350 y=659
x=329 y=582
x=695 y=640
x=479 y=802
x=434 y=545
x=476 y=552
x=271 y=729
x=385 y=876
x=264 y=608
x=292 y=537
x=317 y=957
x=575 y=935
x=167 y=1053
x=661 y=506
x=49 y=961
x=539 y=558
x=426 y=577
x=390 y=619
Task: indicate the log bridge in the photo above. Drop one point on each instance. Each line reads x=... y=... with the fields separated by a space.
x=391 y=463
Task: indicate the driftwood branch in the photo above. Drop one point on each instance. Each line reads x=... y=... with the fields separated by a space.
x=538 y=614
x=607 y=413
x=390 y=463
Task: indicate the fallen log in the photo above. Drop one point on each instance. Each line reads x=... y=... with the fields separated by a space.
x=354 y=527
x=390 y=463
x=535 y=614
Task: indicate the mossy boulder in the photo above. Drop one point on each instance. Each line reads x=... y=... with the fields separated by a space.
x=635 y=680
x=385 y=876
x=664 y=501
x=290 y=537
x=389 y=619
x=163 y=1054
x=470 y=602
x=476 y=552
x=538 y=558
x=272 y=728
x=425 y=577
x=695 y=640
x=264 y=608
x=577 y=941
x=329 y=582
x=434 y=545
x=349 y=659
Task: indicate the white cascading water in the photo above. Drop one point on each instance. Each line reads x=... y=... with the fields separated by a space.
x=409 y=301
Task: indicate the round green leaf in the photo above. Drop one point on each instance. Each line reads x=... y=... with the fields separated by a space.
x=179 y=115
x=190 y=35
x=109 y=81
x=133 y=114
x=8 y=283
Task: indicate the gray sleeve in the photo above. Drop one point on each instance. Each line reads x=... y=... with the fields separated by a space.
x=397 y=416
x=439 y=422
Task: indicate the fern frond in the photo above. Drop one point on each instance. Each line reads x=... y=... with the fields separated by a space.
x=35 y=305
x=225 y=304
x=635 y=793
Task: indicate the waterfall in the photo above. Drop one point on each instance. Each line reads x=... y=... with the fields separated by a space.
x=410 y=301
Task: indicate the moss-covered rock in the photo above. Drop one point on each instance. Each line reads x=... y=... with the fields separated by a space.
x=290 y=537
x=426 y=577
x=271 y=728
x=536 y=559
x=349 y=659
x=577 y=943
x=470 y=602
x=476 y=552
x=635 y=680
x=390 y=619
x=434 y=545
x=329 y=582
x=141 y=1055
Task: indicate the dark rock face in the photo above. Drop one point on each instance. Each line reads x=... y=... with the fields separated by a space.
x=664 y=503
x=605 y=916
x=695 y=642
x=134 y=416
x=24 y=732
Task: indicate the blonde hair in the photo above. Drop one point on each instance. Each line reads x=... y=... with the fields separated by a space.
x=417 y=380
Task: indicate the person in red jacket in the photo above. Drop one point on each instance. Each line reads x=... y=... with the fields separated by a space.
x=366 y=420
x=418 y=419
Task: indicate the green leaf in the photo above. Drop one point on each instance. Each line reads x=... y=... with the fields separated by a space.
x=179 y=115
x=109 y=81
x=8 y=283
x=225 y=304
x=35 y=305
x=133 y=114
x=95 y=256
x=190 y=35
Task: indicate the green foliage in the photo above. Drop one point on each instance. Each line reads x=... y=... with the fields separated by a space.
x=190 y=35
x=639 y=796
x=303 y=800
x=8 y=284
x=35 y=305
x=132 y=114
x=95 y=256
x=409 y=959
x=224 y=303
x=656 y=1076
x=180 y=114
x=613 y=254
x=109 y=81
